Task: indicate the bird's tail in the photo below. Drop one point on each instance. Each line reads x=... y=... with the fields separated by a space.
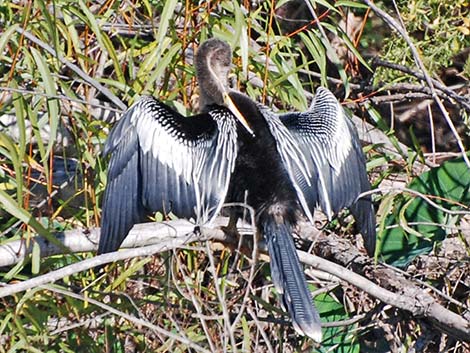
x=289 y=279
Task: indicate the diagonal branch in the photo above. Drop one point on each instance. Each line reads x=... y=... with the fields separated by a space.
x=426 y=78
x=92 y=82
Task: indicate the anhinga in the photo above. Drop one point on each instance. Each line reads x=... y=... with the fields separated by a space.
x=238 y=151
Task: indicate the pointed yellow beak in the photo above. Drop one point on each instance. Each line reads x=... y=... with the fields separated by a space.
x=233 y=108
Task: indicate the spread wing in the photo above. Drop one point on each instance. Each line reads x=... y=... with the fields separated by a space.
x=329 y=168
x=162 y=161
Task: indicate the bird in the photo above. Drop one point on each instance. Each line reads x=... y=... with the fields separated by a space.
x=237 y=150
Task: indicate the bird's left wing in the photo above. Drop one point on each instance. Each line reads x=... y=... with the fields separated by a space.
x=329 y=166
x=162 y=161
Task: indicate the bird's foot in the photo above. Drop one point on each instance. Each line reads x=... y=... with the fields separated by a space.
x=231 y=232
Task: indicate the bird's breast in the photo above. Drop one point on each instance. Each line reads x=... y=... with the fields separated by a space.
x=260 y=177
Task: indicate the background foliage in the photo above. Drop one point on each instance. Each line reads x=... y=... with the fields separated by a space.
x=68 y=69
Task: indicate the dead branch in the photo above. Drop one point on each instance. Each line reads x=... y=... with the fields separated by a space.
x=385 y=284
x=445 y=91
x=400 y=28
x=382 y=283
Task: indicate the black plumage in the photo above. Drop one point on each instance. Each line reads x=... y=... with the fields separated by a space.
x=236 y=151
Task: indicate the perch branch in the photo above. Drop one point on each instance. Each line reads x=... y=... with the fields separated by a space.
x=394 y=288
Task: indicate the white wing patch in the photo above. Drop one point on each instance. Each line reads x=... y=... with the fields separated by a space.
x=326 y=156
x=340 y=142
x=163 y=142
x=217 y=167
x=205 y=164
x=293 y=158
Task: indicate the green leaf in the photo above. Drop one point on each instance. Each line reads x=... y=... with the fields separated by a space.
x=160 y=64
x=348 y=3
x=124 y=276
x=317 y=50
x=415 y=226
x=352 y=48
x=9 y=149
x=7 y=36
x=103 y=40
x=241 y=36
x=11 y=206
x=338 y=338
x=52 y=103
x=165 y=18
x=35 y=259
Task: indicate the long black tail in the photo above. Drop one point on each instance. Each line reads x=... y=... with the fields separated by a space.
x=289 y=279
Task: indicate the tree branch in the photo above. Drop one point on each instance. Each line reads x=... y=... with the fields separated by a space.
x=393 y=24
x=446 y=91
x=393 y=288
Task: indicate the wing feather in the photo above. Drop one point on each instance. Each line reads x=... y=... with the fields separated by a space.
x=162 y=161
x=329 y=168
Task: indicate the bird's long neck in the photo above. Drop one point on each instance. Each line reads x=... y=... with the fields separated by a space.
x=212 y=80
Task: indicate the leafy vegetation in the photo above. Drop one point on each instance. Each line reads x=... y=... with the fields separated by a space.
x=440 y=30
x=433 y=218
x=68 y=69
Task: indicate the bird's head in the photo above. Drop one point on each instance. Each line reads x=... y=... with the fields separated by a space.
x=213 y=62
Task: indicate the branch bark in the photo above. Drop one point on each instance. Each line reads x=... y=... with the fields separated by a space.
x=382 y=283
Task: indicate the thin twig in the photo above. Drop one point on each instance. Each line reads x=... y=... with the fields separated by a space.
x=426 y=198
x=463 y=101
x=192 y=297
x=25 y=91
x=59 y=330
x=261 y=329
x=106 y=92
x=222 y=301
x=126 y=316
x=254 y=255
x=427 y=285
x=434 y=224
x=400 y=29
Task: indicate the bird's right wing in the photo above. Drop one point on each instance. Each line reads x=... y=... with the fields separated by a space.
x=162 y=161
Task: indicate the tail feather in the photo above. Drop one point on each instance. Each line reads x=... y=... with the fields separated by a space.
x=363 y=212
x=289 y=279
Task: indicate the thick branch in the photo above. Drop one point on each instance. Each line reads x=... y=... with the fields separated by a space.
x=163 y=236
x=394 y=289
